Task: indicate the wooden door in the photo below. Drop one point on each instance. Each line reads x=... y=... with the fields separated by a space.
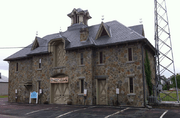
x=60 y=93
x=102 y=92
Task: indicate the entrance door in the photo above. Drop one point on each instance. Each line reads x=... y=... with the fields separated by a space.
x=60 y=93
x=102 y=92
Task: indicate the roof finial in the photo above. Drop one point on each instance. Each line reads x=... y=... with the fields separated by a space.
x=36 y=33
x=60 y=30
x=140 y=21
x=102 y=18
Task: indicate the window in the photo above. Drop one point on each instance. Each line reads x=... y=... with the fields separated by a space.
x=82 y=85
x=59 y=54
x=101 y=57
x=39 y=63
x=16 y=66
x=129 y=54
x=131 y=85
x=81 y=58
x=38 y=85
x=77 y=19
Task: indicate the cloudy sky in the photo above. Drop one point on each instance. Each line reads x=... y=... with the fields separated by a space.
x=20 y=19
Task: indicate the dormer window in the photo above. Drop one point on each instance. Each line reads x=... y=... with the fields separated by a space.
x=77 y=19
x=103 y=31
x=35 y=44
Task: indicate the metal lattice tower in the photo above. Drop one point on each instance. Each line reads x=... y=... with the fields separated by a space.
x=163 y=45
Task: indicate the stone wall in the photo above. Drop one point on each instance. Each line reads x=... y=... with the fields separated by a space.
x=75 y=72
x=152 y=66
x=17 y=78
x=116 y=69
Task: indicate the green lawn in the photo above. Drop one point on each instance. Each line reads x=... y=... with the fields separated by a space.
x=3 y=96
x=168 y=98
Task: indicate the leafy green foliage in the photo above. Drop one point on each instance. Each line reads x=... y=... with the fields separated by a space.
x=148 y=73
x=167 y=98
x=178 y=81
x=3 y=96
x=167 y=86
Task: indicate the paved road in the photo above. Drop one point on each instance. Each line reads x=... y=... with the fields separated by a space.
x=14 y=110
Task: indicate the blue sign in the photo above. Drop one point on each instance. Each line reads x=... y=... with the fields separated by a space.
x=34 y=95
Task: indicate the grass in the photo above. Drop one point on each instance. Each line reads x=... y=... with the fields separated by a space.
x=3 y=96
x=168 y=98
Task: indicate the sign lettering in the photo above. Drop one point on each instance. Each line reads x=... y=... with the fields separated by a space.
x=59 y=80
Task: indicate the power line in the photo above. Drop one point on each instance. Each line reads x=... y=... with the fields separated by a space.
x=18 y=47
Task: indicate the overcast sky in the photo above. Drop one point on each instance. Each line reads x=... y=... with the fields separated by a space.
x=20 y=19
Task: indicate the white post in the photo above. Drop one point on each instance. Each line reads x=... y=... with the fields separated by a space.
x=37 y=98
x=30 y=98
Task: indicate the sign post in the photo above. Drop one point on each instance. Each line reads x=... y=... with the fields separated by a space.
x=33 y=95
x=85 y=94
x=117 y=92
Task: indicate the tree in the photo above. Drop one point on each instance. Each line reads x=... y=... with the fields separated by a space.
x=178 y=81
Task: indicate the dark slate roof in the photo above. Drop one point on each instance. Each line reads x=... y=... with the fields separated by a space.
x=42 y=47
x=119 y=34
x=138 y=28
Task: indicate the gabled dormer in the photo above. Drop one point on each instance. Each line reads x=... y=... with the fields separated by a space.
x=103 y=30
x=79 y=16
x=35 y=44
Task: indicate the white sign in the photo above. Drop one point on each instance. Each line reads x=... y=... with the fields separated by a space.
x=40 y=91
x=15 y=90
x=85 y=92
x=117 y=90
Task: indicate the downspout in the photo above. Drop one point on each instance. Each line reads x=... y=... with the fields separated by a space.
x=142 y=53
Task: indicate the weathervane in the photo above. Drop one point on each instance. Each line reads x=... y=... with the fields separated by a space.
x=36 y=33
x=140 y=21
x=60 y=30
x=102 y=18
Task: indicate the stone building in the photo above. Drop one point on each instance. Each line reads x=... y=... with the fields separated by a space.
x=98 y=58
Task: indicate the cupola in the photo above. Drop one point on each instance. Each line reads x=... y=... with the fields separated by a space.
x=79 y=16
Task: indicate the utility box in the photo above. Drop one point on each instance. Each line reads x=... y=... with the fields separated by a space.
x=159 y=87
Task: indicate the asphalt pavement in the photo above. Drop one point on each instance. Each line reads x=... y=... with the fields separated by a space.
x=20 y=110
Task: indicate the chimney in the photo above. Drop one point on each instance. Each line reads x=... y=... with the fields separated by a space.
x=84 y=33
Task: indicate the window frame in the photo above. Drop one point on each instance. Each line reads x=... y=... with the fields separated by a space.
x=101 y=57
x=40 y=63
x=17 y=67
x=81 y=55
x=131 y=84
x=130 y=54
x=81 y=86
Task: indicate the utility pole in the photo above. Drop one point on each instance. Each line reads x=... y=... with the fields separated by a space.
x=164 y=53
